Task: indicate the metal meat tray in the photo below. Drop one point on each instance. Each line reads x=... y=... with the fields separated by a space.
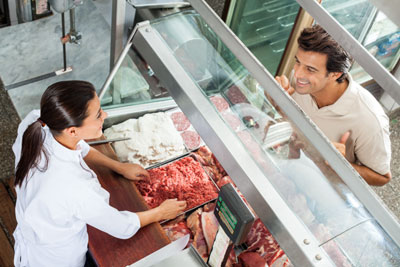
x=124 y=138
x=177 y=159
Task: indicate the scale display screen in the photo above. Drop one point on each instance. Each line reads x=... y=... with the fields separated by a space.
x=233 y=214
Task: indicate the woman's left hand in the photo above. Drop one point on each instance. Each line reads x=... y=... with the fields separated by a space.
x=133 y=171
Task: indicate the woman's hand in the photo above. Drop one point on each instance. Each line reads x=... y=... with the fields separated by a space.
x=133 y=171
x=170 y=208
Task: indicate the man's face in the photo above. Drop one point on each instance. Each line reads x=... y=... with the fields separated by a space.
x=310 y=72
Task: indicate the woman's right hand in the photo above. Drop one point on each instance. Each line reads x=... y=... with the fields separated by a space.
x=170 y=208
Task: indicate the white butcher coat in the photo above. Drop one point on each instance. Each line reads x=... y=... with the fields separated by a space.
x=54 y=206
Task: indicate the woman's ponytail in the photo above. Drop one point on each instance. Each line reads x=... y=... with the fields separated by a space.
x=31 y=153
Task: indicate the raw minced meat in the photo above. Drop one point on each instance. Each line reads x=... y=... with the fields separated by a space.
x=184 y=179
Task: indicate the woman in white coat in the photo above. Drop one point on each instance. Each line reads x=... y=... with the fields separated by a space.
x=57 y=193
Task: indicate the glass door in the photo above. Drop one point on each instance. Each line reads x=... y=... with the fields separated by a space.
x=264 y=27
x=378 y=34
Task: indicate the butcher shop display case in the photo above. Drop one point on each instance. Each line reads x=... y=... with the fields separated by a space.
x=317 y=207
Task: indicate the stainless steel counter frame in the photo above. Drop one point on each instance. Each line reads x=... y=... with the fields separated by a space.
x=253 y=183
x=353 y=180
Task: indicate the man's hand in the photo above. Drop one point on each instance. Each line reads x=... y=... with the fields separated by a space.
x=133 y=171
x=370 y=176
x=284 y=83
x=341 y=146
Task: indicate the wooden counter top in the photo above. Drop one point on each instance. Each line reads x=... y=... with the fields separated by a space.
x=109 y=251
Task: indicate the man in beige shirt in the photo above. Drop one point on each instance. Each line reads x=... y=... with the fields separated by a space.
x=345 y=112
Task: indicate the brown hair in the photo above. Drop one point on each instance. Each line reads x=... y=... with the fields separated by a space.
x=63 y=105
x=316 y=39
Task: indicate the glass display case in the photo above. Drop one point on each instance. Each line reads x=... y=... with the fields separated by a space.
x=321 y=214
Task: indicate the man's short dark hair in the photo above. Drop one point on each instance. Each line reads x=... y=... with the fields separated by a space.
x=316 y=39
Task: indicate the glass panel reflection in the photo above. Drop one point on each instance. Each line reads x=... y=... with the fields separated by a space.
x=364 y=245
x=383 y=42
x=134 y=83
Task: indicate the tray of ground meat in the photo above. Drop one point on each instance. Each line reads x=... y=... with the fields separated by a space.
x=184 y=179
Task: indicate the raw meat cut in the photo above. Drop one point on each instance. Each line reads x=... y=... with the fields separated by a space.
x=194 y=222
x=180 y=121
x=209 y=207
x=210 y=163
x=177 y=228
x=197 y=157
x=199 y=241
x=232 y=120
x=225 y=180
x=213 y=172
x=206 y=154
x=220 y=103
x=191 y=139
x=261 y=241
x=235 y=95
x=184 y=179
x=210 y=225
x=256 y=152
x=219 y=166
x=281 y=261
x=250 y=259
x=251 y=145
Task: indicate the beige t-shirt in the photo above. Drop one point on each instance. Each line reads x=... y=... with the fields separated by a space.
x=359 y=112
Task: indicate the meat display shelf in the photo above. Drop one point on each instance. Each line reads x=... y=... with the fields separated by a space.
x=318 y=213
